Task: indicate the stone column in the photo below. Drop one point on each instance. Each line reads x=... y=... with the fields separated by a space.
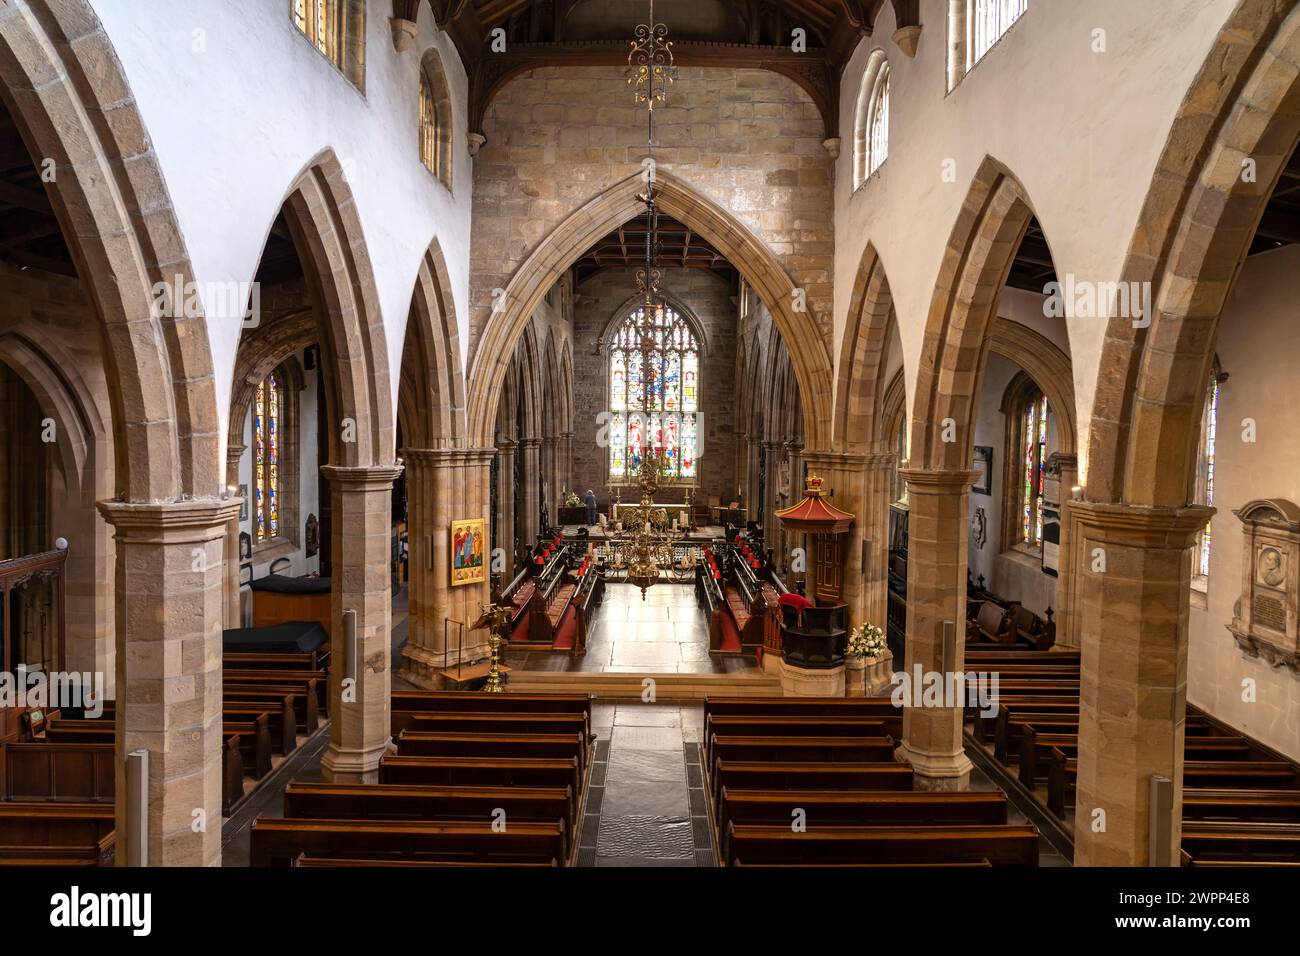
x=530 y=453
x=170 y=569
x=565 y=464
x=772 y=527
x=445 y=485
x=361 y=522
x=752 y=504
x=505 y=516
x=550 y=475
x=1067 y=632
x=230 y=585
x=1133 y=568
x=938 y=530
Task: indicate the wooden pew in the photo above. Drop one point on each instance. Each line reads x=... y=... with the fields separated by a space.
x=1036 y=749
x=306 y=661
x=232 y=774
x=281 y=719
x=305 y=698
x=317 y=861
x=278 y=842
x=268 y=679
x=797 y=727
x=855 y=807
x=802 y=749
x=1209 y=804
x=482 y=771
x=437 y=701
x=55 y=823
x=1244 y=841
x=441 y=744
x=99 y=853
x=306 y=801
x=999 y=845
x=254 y=742
x=471 y=723
x=739 y=775
x=46 y=771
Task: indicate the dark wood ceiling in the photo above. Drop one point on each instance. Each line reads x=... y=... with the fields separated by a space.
x=752 y=34
x=30 y=235
x=680 y=247
x=1280 y=224
x=1032 y=269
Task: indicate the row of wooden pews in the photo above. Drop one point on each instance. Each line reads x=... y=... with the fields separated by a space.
x=477 y=780
x=813 y=782
x=995 y=621
x=743 y=609
x=554 y=600
x=1241 y=801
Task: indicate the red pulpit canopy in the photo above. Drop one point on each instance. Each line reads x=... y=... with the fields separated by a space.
x=815 y=514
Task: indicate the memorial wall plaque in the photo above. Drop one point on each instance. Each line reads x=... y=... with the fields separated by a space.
x=1264 y=621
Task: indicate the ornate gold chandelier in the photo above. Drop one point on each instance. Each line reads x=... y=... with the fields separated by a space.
x=646 y=546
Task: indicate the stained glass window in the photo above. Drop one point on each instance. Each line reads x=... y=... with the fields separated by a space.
x=266 y=458
x=1205 y=476
x=654 y=372
x=1034 y=471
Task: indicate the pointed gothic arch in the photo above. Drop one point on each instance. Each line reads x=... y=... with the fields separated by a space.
x=562 y=247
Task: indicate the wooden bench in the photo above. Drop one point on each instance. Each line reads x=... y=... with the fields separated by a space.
x=99 y=853
x=272 y=679
x=306 y=661
x=1245 y=841
x=999 y=845
x=740 y=775
x=482 y=771
x=279 y=842
x=46 y=771
x=317 y=861
x=306 y=801
x=801 y=749
x=856 y=807
x=305 y=699
x=1036 y=750
x=797 y=727
x=252 y=738
x=1207 y=804
x=281 y=720
x=468 y=723
x=421 y=744
x=55 y=823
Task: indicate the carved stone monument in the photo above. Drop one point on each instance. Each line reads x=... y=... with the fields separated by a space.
x=1264 y=620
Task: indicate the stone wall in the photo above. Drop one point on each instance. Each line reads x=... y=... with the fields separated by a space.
x=750 y=141
x=711 y=300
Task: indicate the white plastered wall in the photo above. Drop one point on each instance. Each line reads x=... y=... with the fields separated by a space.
x=237 y=103
x=1081 y=130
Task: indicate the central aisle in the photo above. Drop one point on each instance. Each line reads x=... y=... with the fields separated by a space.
x=646 y=802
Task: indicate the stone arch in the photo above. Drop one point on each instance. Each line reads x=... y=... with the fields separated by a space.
x=974 y=270
x=326 y=229
x=862 y=355
x=65 y=88
x=1192 y=236
x=566 y=387
x=550 y=387
x=530 y=383
x=562 y=247
x=1050 y=369
x=893 y=406
x=431 y=387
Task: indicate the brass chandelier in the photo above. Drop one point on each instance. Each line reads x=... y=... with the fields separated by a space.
x=646 y=547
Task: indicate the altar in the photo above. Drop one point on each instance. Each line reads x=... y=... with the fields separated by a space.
x=682 y=511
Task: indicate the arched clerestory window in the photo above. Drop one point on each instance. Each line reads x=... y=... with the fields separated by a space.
x=1029 y=426
x=871 y=122
x=435 y=119
x=268 y=426
x=974 y=28
x=654 y=392
x=337 y=29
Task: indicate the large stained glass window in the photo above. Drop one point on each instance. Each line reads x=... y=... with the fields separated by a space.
x=1034 y=471
x=654 y=392
x=266 y=458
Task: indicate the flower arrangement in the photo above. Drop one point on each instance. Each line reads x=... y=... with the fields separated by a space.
x=571 y=500
x=866 y=641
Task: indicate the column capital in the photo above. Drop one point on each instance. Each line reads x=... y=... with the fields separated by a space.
x=362 y=477
x=928 y=482
x=197 y=519
x=506 y=444
x=1149 y=528
x=449 y=456
x=529 y=442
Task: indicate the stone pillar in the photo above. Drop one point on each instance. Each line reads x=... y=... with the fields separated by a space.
x=530 y=452
x=1067 y=632
x=444 y=485
x=938 y=530
x=505 y=516
x=361 y=523
x=550 y=476
x=170 y=570
x=752 y=504
x=1133 y=568
x=772 y=527
x=230 y=585
x=565 y=464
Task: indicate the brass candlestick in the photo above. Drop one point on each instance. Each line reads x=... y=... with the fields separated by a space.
x=494 y=618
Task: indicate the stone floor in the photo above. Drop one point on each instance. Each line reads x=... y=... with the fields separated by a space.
x=666 y=632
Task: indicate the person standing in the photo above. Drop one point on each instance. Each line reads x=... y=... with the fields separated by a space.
x=591 y=507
